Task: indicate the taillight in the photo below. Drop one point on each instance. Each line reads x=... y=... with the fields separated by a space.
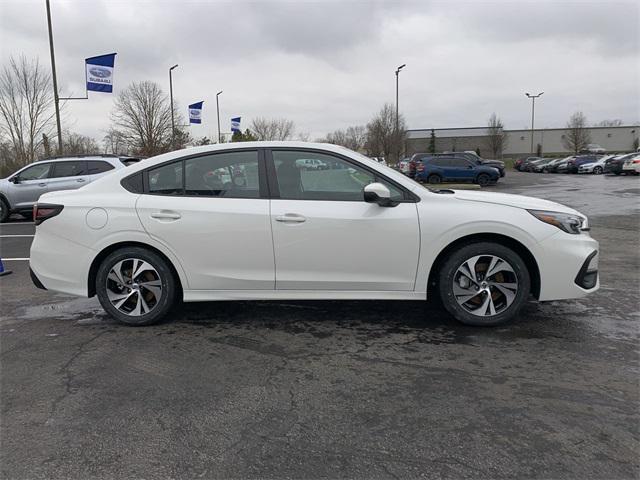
x=44 y=211
x=636 y=161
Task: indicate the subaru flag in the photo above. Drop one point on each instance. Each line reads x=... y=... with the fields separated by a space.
x=195 y=112
x=100 y=73
x=235 y=124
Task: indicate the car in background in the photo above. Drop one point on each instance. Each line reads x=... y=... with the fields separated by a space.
x=573 y=164
x=450 y=168
x=521 y=163
x=595 y=148
x=311 y=164
x=474 y=157
x=543 y=165
x=19 y=191
x=632 y=165
x=530 y=166
x=404 y=166
x=614 y=165
x=596 y=168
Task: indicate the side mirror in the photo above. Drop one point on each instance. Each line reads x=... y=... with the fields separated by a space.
x=15 y=179
x=378 y=193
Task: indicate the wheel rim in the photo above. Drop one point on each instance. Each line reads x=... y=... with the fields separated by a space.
x=134 y=287
x=483 y=180
x=434 y=179
x=598 y=170
x=485 y=285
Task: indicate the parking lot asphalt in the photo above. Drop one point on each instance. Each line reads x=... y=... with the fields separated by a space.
x=332 y=389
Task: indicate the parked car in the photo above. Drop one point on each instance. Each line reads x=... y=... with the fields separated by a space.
x=530 y=166
x=573 y=164
x=596 y=167
x=558 y=165
x=19 y=191
x=403 y=166
x=444 y=168
x=632 y=165
x=474 y=157
x=594 y=148
x=521 y=164
x=141 y=248
x=614 y=165
x=311 y=164
x=543 y=166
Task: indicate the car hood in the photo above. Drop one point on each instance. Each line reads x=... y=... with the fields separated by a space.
x=518 y=201
x=487 y=161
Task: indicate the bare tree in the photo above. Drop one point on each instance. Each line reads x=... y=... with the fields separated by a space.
x=577 y=137
x=272 y=128
x=77 y=144
x=616 y=122
x=142 y=114
x=496 y=136
x=26 y=107
x=354 y=137
x=383 y=140
x=115 y=142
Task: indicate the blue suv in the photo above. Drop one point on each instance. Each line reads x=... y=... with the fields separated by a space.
x=448 y=168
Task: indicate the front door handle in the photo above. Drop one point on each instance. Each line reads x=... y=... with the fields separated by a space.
x=80 y=180
x=291 y=218
x=42 y=184
x=166 y=215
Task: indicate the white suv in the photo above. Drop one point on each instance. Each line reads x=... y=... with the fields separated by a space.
x=21 y=190
x=243 y=221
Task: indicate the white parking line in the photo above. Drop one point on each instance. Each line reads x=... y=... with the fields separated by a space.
x=14 y=236
x=14 y=259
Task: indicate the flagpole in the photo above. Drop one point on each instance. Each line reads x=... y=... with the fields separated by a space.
x=218 y=112
x=55 y=80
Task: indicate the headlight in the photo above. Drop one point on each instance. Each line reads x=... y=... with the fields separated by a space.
x=564 y=221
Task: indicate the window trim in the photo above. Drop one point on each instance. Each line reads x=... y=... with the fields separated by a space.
x=409 y=197
x=263 y=192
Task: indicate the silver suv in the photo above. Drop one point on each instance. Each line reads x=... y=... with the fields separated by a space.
x=20 y=191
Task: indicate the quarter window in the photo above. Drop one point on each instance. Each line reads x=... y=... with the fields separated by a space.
x=35 y=172
x=305 y=175
x=69 y=169
x=99 y=167
x=229 y=175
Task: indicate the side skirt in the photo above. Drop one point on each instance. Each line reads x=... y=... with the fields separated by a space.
x=210 y=295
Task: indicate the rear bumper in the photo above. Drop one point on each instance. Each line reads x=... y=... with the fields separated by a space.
x=36 y=281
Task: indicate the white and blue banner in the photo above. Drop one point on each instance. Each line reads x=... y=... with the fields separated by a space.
x=100 y=73
x=235 y=124
x=195 y=112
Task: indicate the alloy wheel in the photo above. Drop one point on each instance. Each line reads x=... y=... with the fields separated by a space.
x=485 y=285
x=134 y=287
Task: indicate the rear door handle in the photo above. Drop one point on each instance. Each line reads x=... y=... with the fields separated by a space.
x=80 y=180
x=291 y=218
x=166 y=215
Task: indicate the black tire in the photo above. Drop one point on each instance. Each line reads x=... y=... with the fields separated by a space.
x=597 y=170
x=4 y=211
x=483 y=179
x=167 y=280
x=545 y=170
x=448 y=270
x=433 y=178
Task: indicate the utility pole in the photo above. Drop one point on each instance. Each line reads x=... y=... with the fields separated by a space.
x=55 y=80
x=218 y=112
x=397 y=110
x=173 y=124
x=533 y=115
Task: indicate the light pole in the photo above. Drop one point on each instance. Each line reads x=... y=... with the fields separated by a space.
x=533 y=113
x=397 y=109
x=218 y=112
x=56 y=98
x=173 y=124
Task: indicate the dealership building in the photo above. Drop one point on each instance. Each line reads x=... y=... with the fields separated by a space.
x=550 y=141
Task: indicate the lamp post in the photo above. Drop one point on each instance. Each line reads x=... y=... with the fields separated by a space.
x=397 y=109
x=218 y=112
x=56 y=98
x=533 y=113
x=173 y=124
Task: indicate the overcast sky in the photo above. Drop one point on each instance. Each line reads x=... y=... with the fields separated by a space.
x=330 y=64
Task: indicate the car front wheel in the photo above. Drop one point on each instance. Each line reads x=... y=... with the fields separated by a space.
x=483 y=179
x=597 y=170
x=484 y=284
x=135 y=286
x=434 y=179
x=4 y=211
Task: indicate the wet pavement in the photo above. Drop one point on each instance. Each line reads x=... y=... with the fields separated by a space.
x=333 y=389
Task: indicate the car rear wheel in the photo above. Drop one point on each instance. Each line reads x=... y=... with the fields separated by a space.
x=4 y=211
x=135 y=286
x=597 y=170
x=434 y=179
x=483 y=179
x=484 y=284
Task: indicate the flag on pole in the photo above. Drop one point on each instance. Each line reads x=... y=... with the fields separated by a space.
x=195 y=112
x=235 y=124
x=99 y=72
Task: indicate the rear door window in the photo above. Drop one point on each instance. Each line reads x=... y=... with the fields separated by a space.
x=229 y=175
x=69 y=169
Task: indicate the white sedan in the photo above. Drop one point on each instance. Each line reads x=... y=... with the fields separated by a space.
x=595 y=167
x=243 y=221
